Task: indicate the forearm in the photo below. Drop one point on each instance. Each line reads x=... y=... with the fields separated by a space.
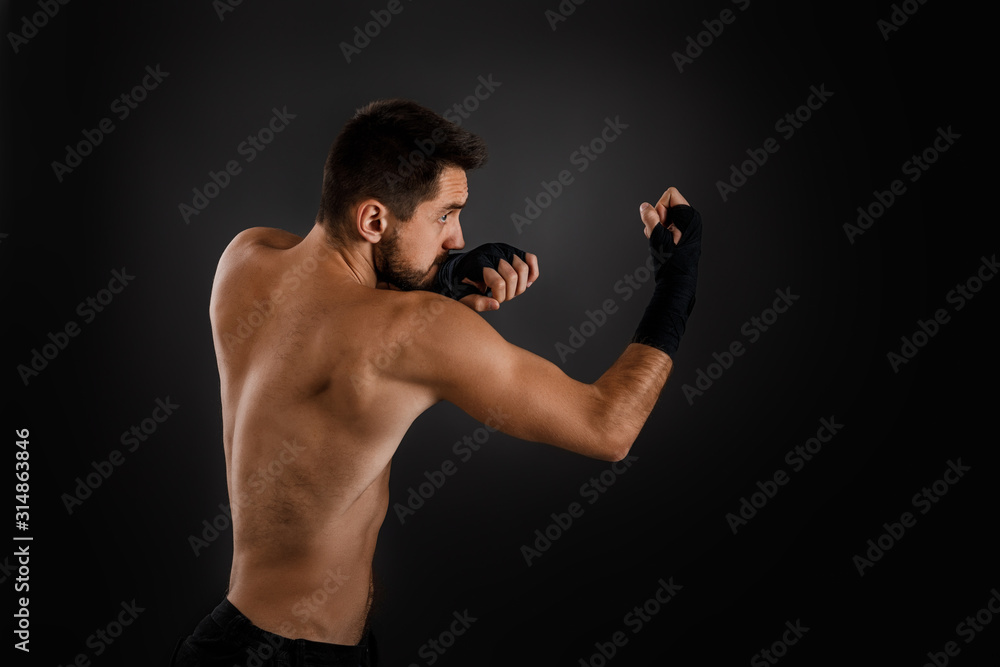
x=630 y=388
x=629 y=391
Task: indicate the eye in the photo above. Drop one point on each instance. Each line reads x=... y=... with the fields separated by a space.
x=444 y=218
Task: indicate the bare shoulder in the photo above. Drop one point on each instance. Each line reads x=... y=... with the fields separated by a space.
x=443 y=335
x=440 y=321
x=242 y=256
x=260 y=237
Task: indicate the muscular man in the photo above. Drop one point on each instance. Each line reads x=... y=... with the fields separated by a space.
x=331 y=345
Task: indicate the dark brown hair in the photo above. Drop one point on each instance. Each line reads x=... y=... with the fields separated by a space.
x=392 y=151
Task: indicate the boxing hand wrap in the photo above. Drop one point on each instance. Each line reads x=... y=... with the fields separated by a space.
x=676 y=272
x=461 y=265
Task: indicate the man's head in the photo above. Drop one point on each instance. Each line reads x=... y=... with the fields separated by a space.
x=397 y=162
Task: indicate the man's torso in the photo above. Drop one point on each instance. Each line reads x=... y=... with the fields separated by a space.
x=311 y=419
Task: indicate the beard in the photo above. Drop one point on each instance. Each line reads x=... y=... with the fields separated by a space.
x=391 y=266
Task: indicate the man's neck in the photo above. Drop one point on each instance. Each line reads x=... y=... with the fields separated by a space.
x=354 y=262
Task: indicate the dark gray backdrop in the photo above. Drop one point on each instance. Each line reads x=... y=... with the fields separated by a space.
x=225 y=68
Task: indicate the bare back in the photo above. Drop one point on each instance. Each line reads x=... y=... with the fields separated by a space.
x=310 y=427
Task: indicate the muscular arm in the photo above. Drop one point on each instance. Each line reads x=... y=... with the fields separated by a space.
x=462 y=359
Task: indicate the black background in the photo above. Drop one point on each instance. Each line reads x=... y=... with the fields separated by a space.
x=663 y=518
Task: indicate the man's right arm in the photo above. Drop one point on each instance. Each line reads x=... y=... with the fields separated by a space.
x=463 y=360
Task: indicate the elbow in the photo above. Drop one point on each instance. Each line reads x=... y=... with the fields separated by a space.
x=613 y=447
x=616 y=432
x=617 y=452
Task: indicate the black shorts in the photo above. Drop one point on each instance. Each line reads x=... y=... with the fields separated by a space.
x=227 y=638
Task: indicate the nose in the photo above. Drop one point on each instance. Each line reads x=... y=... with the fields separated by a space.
x=455 y=240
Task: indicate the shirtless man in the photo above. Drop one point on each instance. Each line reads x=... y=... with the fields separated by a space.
x=331 y=345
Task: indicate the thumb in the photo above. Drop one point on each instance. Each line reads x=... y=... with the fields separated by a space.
x=650 y=217
x=480 y=302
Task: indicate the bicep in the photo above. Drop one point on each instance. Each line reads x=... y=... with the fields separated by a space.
x=466 y=362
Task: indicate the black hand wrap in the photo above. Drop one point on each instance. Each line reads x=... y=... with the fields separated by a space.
x=461 y=265
x=676 y=271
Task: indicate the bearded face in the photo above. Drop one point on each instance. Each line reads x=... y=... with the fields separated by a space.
x=393 y=266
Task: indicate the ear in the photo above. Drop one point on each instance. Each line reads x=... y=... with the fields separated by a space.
x=371 y=218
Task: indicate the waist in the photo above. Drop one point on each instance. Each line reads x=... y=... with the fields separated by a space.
x=238 y=626
x=327 y=601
